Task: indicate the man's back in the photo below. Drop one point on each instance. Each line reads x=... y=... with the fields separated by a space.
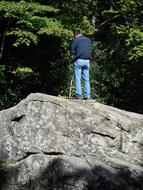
x=82 y=47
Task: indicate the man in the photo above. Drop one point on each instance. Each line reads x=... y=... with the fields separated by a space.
x=81 y=50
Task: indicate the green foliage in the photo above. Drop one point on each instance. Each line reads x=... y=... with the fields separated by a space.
x=30 y=21
x=6 y=162
x=12 y=9
x=2 y=76
x=23 y=37
x=76 y=15
x=85 y=27
x=119 y=74
x=23 y=72
x=43 y=30
x=54 y=28
x=133 y=40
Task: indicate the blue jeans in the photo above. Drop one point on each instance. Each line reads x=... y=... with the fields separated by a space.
x=81 y=69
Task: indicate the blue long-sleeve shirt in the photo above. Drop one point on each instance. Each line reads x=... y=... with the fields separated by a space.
x=82 y=47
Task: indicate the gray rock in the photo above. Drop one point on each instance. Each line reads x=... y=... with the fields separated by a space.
x=53 y=143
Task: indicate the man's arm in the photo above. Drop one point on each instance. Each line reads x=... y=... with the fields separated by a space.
x=91 y=46
x=73 y=47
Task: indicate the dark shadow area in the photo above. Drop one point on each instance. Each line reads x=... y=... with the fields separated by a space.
x=130 y=92
x=65 y=176
x=3 y=175
x=62 y=175
x=41 y=68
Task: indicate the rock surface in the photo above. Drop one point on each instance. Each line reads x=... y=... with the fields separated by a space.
x=52 y=143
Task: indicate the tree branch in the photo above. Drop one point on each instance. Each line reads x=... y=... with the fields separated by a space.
x=3 y=40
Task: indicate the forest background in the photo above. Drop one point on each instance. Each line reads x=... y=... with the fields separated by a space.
x=35 y=49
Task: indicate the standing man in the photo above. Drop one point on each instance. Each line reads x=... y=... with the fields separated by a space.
x=81 y=50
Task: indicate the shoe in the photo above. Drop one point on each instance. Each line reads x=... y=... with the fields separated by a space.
x=77 y=97
x=86 y=98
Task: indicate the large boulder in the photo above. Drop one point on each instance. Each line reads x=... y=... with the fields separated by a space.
x=52 y=143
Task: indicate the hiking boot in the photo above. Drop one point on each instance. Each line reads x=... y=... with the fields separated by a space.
x=86 y=98
x=77 y=97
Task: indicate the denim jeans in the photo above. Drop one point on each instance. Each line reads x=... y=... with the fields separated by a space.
x=81 y=69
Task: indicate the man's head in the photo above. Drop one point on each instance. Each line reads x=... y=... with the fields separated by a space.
x=77 y=33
